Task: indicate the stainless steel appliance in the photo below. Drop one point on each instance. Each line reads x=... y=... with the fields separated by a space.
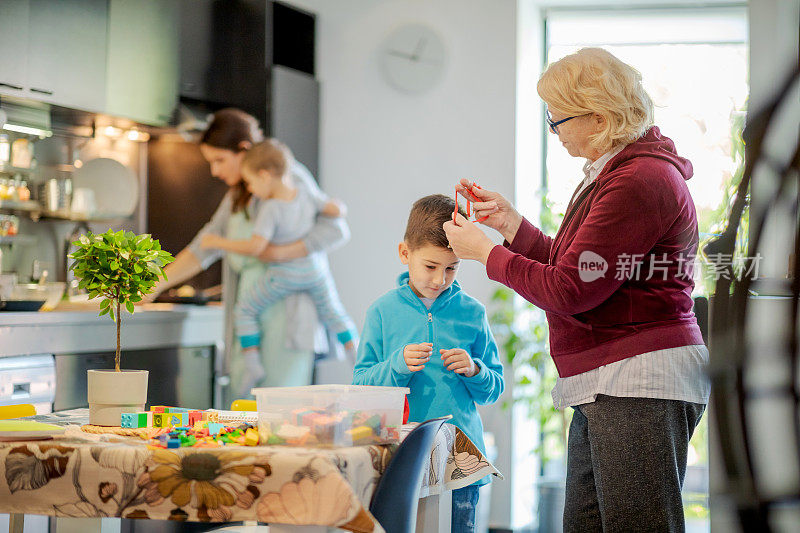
x=178 y=376
x=28 y=379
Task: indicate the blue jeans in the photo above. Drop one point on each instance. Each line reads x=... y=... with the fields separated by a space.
x=465 y=501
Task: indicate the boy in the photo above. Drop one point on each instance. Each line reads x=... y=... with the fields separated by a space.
x=286 y=214
x=429 y=313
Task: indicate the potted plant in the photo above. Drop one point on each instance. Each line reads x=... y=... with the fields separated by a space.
x=119 y=267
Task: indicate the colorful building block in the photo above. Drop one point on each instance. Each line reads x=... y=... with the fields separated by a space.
x=359 y=433
x=251 y=437
x=195 y=416
x=178 y=419
x=214 y=428
x=174 y=443
x=176 y=410
x=136 y=420
x=161 y=420
x=159 y=408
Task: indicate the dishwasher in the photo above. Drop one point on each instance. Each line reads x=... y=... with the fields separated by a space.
x=28 y=379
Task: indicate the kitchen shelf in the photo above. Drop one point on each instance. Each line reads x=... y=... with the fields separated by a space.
x=64 y=214
x=36 y=211
x=17 y=239
x=14 y=205
x=8 y=169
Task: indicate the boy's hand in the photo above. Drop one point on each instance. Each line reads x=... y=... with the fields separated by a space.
x=416 y=355
x=459 y=361
x=209 y=240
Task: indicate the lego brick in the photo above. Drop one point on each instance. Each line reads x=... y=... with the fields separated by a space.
x=161 y=420
x=195 y=416
x=178 y=419
x=359 y=433
x=136 y=420
x=251 y=437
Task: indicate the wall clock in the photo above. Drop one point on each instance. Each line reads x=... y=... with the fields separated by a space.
x=413 y=58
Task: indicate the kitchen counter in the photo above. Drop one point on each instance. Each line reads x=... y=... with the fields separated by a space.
x=79 y=329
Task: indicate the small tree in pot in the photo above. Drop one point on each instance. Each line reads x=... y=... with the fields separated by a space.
x=119 y=267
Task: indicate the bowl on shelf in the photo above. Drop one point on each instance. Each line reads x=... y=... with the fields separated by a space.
x=50 y=293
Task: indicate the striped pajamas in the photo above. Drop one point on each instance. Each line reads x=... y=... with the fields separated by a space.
x=310 y=275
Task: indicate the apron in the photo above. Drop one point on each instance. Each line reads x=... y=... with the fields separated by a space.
x=284 y=366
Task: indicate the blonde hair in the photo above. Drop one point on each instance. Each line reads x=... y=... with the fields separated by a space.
x=593 y=80
x=270 y=155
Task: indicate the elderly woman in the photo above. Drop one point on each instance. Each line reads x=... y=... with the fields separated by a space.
x=616 y=285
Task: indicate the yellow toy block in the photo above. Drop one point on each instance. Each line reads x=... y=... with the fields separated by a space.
x=360 y=432
x=251 y=437
x=161 y=420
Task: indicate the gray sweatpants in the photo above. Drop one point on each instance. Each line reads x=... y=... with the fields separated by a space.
x=626 y=460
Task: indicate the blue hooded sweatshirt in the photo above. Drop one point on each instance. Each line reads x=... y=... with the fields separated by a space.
x=455 y=320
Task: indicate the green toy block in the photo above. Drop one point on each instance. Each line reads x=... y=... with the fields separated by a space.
x=134 y=420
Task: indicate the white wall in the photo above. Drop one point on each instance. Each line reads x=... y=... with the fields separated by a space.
x=381 y=149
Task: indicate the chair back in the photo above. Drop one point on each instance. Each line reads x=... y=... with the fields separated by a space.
x=396 y=497
x=16 y=411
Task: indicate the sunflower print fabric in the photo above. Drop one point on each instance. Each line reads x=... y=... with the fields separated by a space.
x=124 y=478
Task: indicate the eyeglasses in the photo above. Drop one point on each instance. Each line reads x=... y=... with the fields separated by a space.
x=554 y=125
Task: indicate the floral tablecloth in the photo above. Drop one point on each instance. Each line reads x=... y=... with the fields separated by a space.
x=83 y=475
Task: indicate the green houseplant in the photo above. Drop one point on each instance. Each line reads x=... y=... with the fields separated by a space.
x=119 y=267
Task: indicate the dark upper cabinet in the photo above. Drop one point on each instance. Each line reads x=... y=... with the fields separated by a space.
x=223 y=56
x=228 y=48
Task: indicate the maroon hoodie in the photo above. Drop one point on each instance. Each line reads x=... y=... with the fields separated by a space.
x=616 y=279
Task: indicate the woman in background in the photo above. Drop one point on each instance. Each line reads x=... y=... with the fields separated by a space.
x=287 y=329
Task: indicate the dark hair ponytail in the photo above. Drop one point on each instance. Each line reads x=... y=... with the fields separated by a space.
x=229 y=128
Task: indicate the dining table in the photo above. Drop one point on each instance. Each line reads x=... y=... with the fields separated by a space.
x=88 y=475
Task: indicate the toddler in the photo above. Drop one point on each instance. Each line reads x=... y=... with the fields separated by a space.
x=285 y=214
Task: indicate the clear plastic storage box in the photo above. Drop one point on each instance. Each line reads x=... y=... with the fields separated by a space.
x=330 y=415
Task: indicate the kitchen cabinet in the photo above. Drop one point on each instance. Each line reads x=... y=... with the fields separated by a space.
x=109 y=56
x=67 y=52
x=14 y=46
x=142 y=77
x=54 y=52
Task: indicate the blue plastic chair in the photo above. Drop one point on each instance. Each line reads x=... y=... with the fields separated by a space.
x=395 y=501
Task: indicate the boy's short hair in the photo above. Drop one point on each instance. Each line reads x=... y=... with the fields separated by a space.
x=426 y=219
x=270 y=155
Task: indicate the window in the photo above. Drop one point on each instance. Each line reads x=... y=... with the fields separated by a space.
x=694 y=66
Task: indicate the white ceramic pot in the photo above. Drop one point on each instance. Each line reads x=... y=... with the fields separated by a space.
x=112 y=393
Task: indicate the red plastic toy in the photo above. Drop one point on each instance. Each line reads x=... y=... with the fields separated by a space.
x=469 y=203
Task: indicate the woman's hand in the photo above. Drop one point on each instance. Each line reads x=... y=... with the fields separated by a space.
x=209 y=240
x=280 y=253
x=467 y=240
x=502 y=216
